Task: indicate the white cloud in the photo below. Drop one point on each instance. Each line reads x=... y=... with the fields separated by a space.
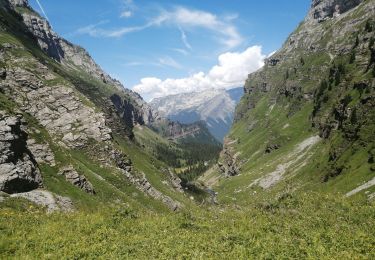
x=182 y=18
x=126 y=14
x=189 y=18
x=231 y=71
x=181 y=51
x=170 y=62
x=185 y=40
x=133 y=64
x=128 y=8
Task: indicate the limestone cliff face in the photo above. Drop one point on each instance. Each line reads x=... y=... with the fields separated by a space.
x=76 y=58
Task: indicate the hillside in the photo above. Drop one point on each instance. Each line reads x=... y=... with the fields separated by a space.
x=307 y=118
x=213 y=106
x=67 y=138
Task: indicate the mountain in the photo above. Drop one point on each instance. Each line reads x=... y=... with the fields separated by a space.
x=307 y=119
x=214 y=106
x=70 y=134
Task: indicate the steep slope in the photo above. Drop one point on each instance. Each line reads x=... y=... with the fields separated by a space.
x=307 y=118
x=214 y=106
x=66 y=127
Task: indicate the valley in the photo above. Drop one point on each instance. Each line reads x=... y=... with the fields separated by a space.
x=282 y=167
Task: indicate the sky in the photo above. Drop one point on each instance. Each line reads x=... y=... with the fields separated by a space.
x=165 y=47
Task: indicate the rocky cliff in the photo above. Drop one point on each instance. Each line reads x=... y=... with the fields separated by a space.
x=59 y=129
x=76 y=58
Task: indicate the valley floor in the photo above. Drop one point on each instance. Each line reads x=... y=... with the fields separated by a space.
x=297 y=227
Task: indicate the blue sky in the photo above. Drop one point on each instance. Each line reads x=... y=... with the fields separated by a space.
x=166 y=47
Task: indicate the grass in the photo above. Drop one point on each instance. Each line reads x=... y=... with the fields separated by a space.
x=303 y=226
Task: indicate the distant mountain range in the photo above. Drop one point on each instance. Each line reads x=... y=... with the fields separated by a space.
x=214 y=106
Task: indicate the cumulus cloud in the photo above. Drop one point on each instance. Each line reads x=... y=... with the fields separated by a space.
x=231 y=71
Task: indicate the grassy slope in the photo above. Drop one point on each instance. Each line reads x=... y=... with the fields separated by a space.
x=110 y=185
x=303 y=226
x=275 y=124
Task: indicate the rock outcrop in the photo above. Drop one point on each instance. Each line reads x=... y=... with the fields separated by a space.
x=175 y=181
x=72 y=176
x=58 y=108
x=228 y=165
x=41 y=152
x=75 y=57
x=145 y=186
x=50 y=201
x=325 y=9
x=140 y=181
x=19 y=3
x=18 y=169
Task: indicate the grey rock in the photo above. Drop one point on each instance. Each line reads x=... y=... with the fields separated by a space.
x=76 y=179
x=75 y=57
x=228 y=166
x=142 y=184
x=57 y=108
x=20 y=3
x=50 y=201
x=322 y=10
x=140 y=181
x=175 y=181
x=272 y=61
x=41 y=152
x=18 y=168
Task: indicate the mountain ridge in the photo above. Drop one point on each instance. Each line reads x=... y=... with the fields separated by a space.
x=213 y=106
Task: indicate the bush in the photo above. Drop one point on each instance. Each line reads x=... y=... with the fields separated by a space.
x=352 y=57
